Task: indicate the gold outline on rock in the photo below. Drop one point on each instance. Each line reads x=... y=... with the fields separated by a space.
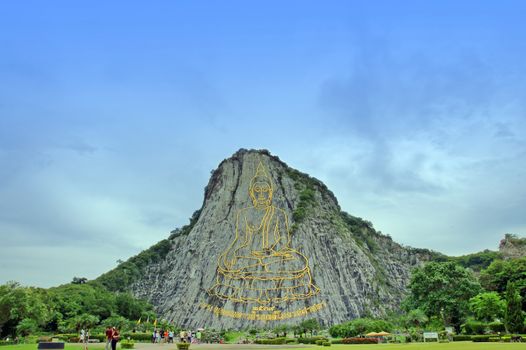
x=247 y=269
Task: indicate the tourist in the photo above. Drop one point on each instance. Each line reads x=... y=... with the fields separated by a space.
x=158 y=337
x=153 y=336
x=109 y=337
x=189 y=336
x=81 y=338
x=198 y=336
x=171 y=336
x=182 y=336
x=114 y=338
x=166 y=336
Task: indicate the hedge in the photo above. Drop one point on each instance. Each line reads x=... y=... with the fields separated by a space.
x=127 y=344
x=355 y=340
x=461 y=337
x=271 y=341
x=138 y=337
x=7 y=342
x=480 y=338
x=311 y=340
x=504 y=339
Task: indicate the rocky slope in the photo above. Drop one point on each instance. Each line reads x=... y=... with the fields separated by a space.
x=512 y=246
x=357 y=270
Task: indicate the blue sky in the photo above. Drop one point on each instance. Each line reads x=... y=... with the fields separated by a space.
x=113 y=115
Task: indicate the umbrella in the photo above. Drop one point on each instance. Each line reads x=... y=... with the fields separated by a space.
x=372 y=334
x=383 y=333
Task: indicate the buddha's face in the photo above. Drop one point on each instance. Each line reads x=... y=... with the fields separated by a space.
x=261 y=194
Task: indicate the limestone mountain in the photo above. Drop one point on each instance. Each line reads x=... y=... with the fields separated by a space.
x=269 y=244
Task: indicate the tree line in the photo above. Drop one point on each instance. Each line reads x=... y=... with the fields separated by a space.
x=67 y=308
x=446 y=294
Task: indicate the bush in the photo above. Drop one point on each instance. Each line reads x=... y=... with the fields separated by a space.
x=474 y=327
x=461 y=337
x=44 y=339
x=6 y=342
x=291 y=341
x=183 y=346
x=127 y=344
x=66 y=336
x=319 y=342
x=337 y=341
x=138 y=337
x=310 y=340
x=480 y=338
x=496 y=327
x=100 y=337
x=326 y=343
x=272 y=341
x=355 y=340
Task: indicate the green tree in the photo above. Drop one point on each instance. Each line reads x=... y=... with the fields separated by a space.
x=311 y=325
x=79 y=280
x=443 y=290
x=18 y=303
x=130 y=307
x=75 y=299
x=500 y=272
x=514 y=317
x=416 y=318
x=487 y=306
x=360 y=326
x=26 y=327
x=85 y=321
x=282 y=330
x=115 y=321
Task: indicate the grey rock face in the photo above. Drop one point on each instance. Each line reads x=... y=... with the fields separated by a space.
x=358 y=271
x=512 y=246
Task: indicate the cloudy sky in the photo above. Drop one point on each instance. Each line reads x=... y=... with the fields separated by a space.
x=113 y=114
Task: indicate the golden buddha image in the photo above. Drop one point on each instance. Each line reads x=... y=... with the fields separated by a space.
x=260 y=266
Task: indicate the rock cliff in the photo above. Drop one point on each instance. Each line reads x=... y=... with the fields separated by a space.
x=349 y=270
x=512 y=246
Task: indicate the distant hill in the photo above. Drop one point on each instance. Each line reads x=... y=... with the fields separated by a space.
x=349 y=269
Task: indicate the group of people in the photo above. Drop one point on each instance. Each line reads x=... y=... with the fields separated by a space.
x=167 y=336
x=162 y=336
x=112 y=337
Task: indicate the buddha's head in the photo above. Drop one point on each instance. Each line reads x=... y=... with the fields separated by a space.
x=261 y=188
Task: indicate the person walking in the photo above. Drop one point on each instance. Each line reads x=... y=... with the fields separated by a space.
x=182 y=336
x=109 y=337
x=114 y=338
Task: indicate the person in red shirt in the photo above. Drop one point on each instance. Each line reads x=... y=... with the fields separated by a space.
x=109 y=337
